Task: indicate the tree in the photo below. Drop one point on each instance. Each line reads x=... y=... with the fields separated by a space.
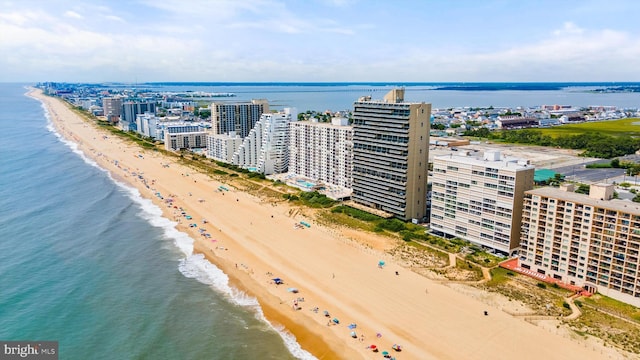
x=615 y=163
x=583 y=189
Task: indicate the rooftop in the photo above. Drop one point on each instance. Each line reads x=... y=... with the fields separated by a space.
x=613 y=204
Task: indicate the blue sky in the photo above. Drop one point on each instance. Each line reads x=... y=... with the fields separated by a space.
x=319 y=40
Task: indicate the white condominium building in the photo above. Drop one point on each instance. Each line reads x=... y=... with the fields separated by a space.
x=591 y=240
x=322 y=151
x=221 y=147
x=266 y=147
x=479 y=199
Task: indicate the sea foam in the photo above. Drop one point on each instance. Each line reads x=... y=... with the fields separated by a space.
x=194 y=266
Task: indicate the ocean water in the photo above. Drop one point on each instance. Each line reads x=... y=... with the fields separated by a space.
x=86 y=261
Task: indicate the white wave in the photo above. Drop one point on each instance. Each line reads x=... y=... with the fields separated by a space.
x=194 y=266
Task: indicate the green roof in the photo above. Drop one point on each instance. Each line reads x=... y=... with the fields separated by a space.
x=543 y=175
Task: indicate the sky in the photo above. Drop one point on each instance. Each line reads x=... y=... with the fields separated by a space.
x=319 y=40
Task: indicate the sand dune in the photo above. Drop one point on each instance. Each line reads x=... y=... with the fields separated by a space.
x=254 y=241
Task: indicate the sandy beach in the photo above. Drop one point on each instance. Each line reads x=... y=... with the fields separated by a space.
x=254 y=241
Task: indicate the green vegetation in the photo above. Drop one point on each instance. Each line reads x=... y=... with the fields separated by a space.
x=604 y=139
x=599 y=166
x=355 y=213
x=500 y=276
x=583 y=189
x=311 y=199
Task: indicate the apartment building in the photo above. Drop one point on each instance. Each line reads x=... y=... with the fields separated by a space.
x=591 y=240
x=112 y=106
x=479 y=199
x=390 y=155
x=130 y=109
x=322 y=151
x=237 y=117
x=221 y=147
x=182 y=135
x=266 y=148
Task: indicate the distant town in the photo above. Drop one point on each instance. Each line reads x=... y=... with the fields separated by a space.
x=555 y=213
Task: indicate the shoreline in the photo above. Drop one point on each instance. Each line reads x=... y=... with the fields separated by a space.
x=254 y=238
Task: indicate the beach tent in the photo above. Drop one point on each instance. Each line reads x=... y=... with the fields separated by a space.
x=352 y=326
x=336 y=321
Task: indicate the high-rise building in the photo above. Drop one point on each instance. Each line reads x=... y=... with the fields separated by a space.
x=130 y=109
x=112 y=106
x=479 y=199
x=592 y=241
x=322 y=151
x=237 y=117
x=266 y=148
x=390 y=155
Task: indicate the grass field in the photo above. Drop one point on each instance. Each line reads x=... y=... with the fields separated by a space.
x=630 y=126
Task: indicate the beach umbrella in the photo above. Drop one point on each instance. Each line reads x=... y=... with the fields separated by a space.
x=381 y=263
x=352 y=326
x=292 y=290
x=373 y=347
x=396 y=347
x=354 y=335
x=326 y=313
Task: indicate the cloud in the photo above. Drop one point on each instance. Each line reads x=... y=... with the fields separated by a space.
x=568 y=28
x=73 y=14
x=114 y=18
x=278 y=40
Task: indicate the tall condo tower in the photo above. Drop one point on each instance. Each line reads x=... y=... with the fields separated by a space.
x=237 y=117
x=390 y=155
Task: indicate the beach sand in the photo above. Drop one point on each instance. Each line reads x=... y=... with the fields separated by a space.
x=254 y=241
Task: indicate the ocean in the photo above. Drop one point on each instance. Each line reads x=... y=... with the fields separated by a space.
x=87 y=262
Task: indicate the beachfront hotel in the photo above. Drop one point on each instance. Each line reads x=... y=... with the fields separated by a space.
x=390 y=155
x=479 y=199
x=237 y=117
x=266 y=148
x=592 y=241
x=322 y=152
